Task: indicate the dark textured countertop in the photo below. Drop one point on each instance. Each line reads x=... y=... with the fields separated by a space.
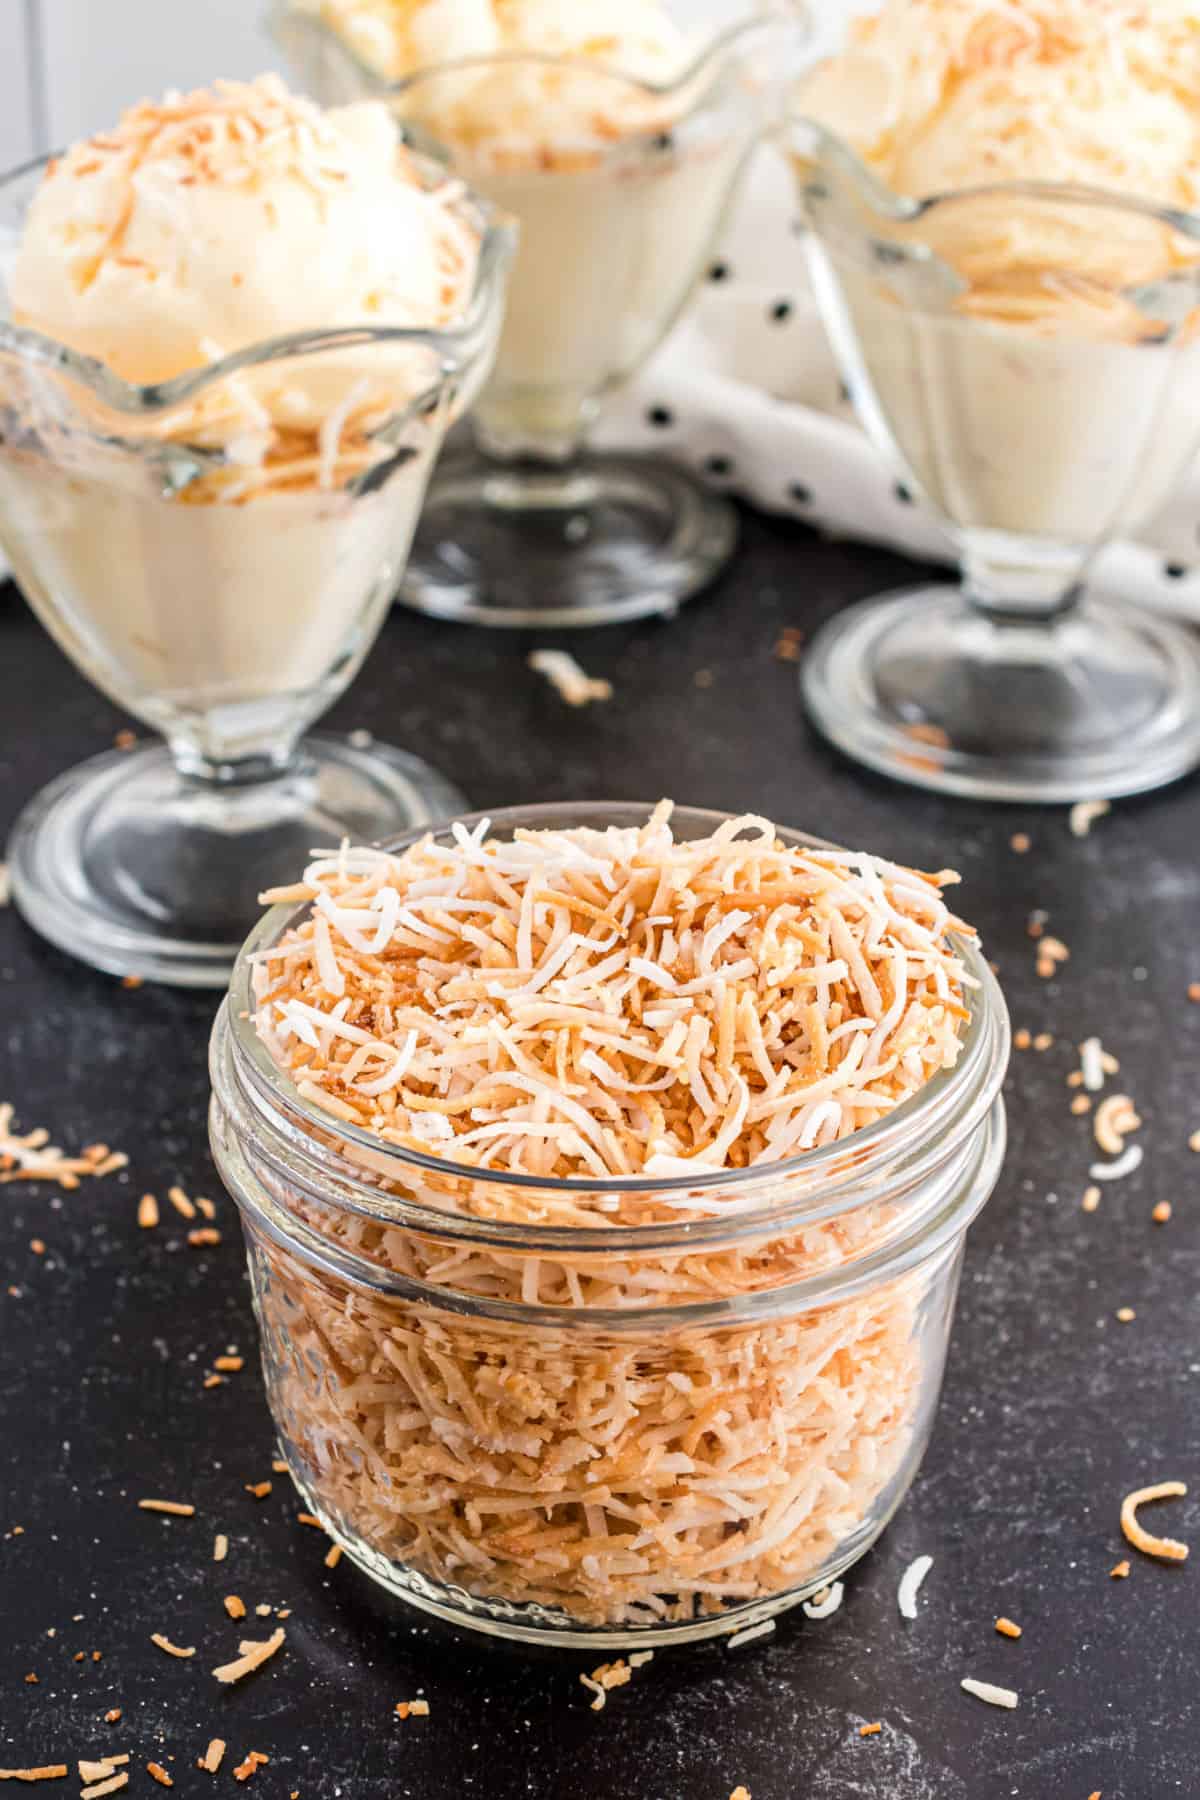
x=1052 y=1409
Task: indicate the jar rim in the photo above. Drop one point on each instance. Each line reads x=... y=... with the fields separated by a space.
x=897 y=1150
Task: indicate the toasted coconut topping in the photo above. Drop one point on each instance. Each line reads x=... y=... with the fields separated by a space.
x=147 y=1213
x=220 y=1547
x=984 y=1690
x=253 y=1654
x=1007 y=1628
x=48 y=1772
x=105 y=1787
x=871 y=1730
x=1168 y=1549
x=1125 y=1164
x=164 y=1643
x=606 y=1003
x=1084 y=814
x=178 y=1509
x=235 y=1606
x=159 y=1774
x=1119 y=1571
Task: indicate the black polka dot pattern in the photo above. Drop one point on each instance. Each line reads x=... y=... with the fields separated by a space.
x=781 y=312
x=719 y=466
x=661 y=417
x=720 y=271
x=799 y=494
x=1175 y=571
x=903 y=494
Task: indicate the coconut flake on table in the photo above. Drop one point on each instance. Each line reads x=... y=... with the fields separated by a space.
x=910 y=1585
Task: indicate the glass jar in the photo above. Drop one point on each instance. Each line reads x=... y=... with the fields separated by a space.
x=529 y=1419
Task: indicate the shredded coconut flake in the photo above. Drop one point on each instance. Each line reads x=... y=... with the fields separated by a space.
x=985 y=1690
x=568 y=680
x=910 y=1585
x=822 y=1605
x=1129 y=1160
x=1084 y=814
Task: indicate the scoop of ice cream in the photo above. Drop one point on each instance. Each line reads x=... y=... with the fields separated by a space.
x=214 y=221
x=938 y=96
x=521 y=100
x=944 y=94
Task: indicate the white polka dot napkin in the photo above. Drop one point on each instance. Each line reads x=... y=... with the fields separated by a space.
x=745 y=391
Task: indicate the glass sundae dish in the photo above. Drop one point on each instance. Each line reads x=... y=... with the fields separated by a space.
x=616 y=139
x=234 y=332
x=1005 y=239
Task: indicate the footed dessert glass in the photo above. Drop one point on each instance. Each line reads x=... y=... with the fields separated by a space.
x=1002 y=355
x=530 y=528
x=226 y=602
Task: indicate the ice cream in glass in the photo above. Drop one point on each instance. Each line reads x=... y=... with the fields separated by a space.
x=234 y=331
x=616 y=137
x=1004 y=202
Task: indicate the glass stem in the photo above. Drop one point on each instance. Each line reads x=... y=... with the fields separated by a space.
x=1011 y=582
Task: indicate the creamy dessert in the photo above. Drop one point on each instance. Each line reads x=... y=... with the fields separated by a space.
x=601 y=1006
x=577 y=121
x=1038 y=371
x=214 y=542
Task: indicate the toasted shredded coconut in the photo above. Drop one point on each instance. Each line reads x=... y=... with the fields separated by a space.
x=826 y=1602
x=164 y=1643
x=1119 y=1571
x=764 y=1628
x=910 y=1585
x=220 y=1547
x=105 y=1787
x=871 y=1730
x=159 y=1774
x=1084 y=814
x=1129 y=1160
x=618 y=1004
x=178 y=1509
x=984 y=1690
x=33 y=1157
x=568 y=680
x=1007 y=1628
x=211 y=1760
x=147 y=1214
x=1168 y=1549
x=48 y=1772
x=253 y=1654
x=235 y=1606
x=1115 y=1118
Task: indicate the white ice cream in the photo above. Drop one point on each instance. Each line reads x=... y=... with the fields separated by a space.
x=1028 y=391
x=209 y=589
x=617 y=211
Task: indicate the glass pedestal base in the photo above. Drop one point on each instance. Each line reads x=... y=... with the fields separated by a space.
x=140 y=871
x=1101 y=701
x=603 y=539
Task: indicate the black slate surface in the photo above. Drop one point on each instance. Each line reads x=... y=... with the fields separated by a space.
x=1052 y=1409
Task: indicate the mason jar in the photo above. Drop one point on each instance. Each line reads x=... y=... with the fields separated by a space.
x=604 y=1413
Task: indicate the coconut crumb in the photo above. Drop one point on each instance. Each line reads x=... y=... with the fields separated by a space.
x=211 y=1760
x=112 y=1716
x=147 y=1212
x=205 y=1207
x=253 y=1655
x=204 y=1235
x=1007 y=1629
x=1091 y=1199
x=1193 y=992
x=47 y=1772
x=228 y=1365
x=177 y=1509
x=871 y=1730
x=164 y=1643
x=307 y=1518
x=1022 y=1039
x=825 y=1603
x=253 y=1762
x=259 y=1489
x=1021 y=843
x=412 y=1709
x=105 y=1787
x=1129 y=1160
x=1084 y=813
x=985 y=1690
x=32 y=1157
x=333 y=1556
x=179 y=1200
x=220 y=1547
x=910 y=1585
x=1081 y=1104
x=1119 y=1571
x=159 y=1774
x=1115 y=1118
x=740 y=1793
x=1167 y=1549
x=1044 y=1041
x=1126 y=1315
x=751 y=1634
x=568 y=680
x=235 y=1606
